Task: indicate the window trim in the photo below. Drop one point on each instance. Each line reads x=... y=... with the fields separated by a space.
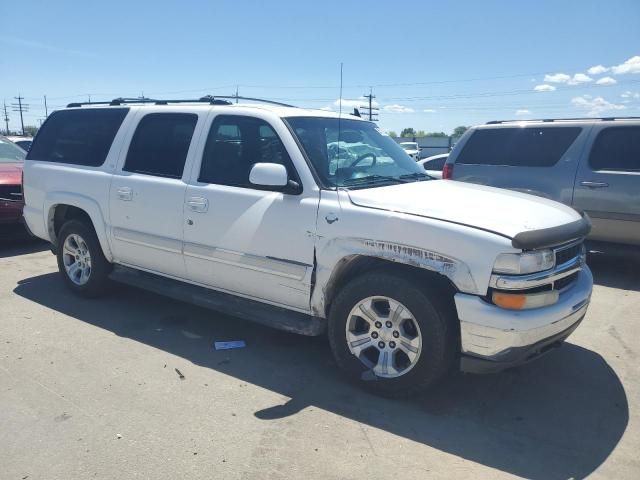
x=293 y=174
x=595 y=141
x=186 y=158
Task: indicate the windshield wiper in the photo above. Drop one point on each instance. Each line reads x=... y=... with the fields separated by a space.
x=416 y=175
x=372 y=179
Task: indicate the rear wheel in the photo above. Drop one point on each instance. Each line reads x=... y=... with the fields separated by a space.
x=80 y=259
x=391 y=336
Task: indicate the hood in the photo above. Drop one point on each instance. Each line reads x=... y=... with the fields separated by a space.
x=11 y=173
x=504 y=212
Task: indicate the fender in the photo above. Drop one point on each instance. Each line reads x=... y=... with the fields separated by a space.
x=82 y=202
x=336 y=253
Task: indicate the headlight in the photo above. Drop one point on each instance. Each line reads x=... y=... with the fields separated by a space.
x=522 y=263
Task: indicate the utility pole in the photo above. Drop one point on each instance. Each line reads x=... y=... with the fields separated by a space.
x=6 y=117
x=20 y=107
x=236 y=94
x=371 y=111
x=46 y=112
x=89 y=95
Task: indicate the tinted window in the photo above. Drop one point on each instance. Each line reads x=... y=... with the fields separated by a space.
x=160 y=144
x=435 y=164
x=617 y=148
x=518 y=147
x=234 y=145
x=78 y=137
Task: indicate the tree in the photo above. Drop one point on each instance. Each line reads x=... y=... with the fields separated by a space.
x=436 y=134
x=420 y=133
x=30 y=130
x=393 y=134
x=459 y=131
x=408 y=132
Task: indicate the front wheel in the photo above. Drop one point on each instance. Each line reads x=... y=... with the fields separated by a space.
x=391 y=336
x=80 y=259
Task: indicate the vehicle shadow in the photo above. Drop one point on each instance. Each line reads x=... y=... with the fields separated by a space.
x=16 y=241
x=557 y=418
x=616 y=270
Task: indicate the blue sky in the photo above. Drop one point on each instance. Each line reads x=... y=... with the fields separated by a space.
x=432 y=65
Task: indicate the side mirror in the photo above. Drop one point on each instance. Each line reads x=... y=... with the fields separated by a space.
x=269 y=175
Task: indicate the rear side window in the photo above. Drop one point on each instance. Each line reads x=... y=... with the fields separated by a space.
x=435 y=164
x=160 y=144
x=518 y=147
x=77 y=137
x=617 y=148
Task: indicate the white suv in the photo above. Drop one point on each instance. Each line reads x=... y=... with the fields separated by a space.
x=255 y=210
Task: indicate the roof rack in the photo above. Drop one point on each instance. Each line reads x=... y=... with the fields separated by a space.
x=551 y=120
x=210 y=99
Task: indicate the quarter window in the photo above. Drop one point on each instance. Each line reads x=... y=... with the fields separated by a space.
x=617 y=148
x=237 y=143
x=79 y=137
x=160 y=144
x=518 y=147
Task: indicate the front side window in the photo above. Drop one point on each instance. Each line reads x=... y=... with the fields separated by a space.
x=518 y=146
x=9 y=153
x=617 y=148
x=234 y=145
x=350 y=153
x=160 y=144
x=80 y=136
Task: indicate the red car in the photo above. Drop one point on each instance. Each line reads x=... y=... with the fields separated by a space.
x=11 y=202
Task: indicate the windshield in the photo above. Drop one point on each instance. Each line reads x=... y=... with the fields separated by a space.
x=10 y=153
x=350 y=153
x=409 y=146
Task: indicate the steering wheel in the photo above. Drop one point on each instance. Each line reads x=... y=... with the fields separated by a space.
x=362 y=157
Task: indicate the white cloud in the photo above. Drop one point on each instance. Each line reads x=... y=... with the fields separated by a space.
x=568 y=79
x=522 y=111
x=630 y=94
x=595 y=106
x=606 y=81
x=429 y=110
x=597 y=70
x=328 y=108
x=395 y=108
x=557 y=78
x=544 y=88
x=630 y=66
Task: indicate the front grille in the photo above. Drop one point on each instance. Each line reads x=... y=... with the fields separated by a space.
x=565 y=282
x=10 y=192
x=564 y=254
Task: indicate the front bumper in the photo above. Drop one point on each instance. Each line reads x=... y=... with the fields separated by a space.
x=493 y=338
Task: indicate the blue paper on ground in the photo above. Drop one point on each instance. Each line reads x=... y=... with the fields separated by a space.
x=229 y=345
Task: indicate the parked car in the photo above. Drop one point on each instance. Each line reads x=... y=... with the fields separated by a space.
x=433 y=165
x=11 y=162
x=592 y=165
x=412 y=149
x=23 y=142
x=235 y=207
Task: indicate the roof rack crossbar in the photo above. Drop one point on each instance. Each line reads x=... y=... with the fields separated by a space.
x=210 y=99
x=550 y=120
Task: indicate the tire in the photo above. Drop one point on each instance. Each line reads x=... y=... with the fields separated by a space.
x=430 y=313
x=92 y=281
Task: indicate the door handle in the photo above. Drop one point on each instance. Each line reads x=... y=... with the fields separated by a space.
x=125 y=194
x=198 y=204
x=591 y=184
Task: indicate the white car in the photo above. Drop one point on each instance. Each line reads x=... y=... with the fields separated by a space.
x=235 y=207
x=23 y=142
x=412 y=149
x=433 y=165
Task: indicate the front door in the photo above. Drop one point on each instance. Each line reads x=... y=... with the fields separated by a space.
x=608 y=184
x=147 y=194
x=245 y=239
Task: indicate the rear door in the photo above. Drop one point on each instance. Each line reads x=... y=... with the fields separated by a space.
x=537 y=159
x=608 y=183
x=147 y=191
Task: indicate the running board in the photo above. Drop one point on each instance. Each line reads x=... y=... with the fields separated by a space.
x=269 y=315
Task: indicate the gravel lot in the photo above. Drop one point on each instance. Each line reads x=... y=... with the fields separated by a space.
x=89 y=389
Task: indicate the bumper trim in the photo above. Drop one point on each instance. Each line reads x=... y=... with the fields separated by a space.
x=516 y=356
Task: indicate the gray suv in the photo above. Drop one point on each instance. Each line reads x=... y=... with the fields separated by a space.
x=590 y=164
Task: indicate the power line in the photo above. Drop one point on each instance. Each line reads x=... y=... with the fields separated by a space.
x=371 y=111
x=6 y=117
x=20 y=107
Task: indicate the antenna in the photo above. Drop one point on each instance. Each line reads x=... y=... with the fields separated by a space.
x=340 y=110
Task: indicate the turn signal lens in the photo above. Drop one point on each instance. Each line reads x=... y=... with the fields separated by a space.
x=447 y=171
x=520 y=301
